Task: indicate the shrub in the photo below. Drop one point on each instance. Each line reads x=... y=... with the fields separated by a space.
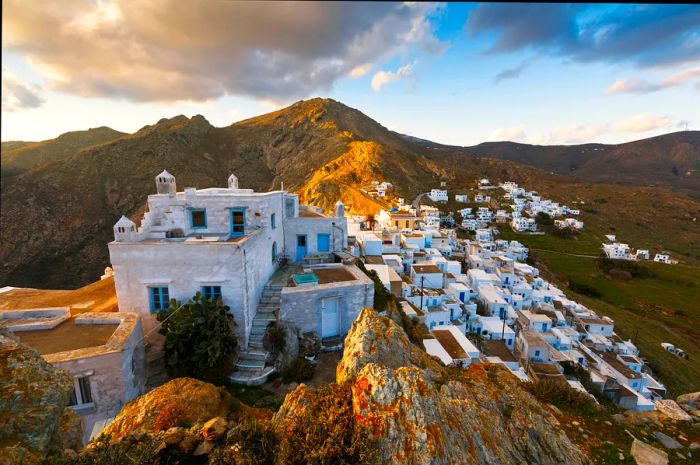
x=249 y=443
x=584 y=289
x=199 y=339
x=299 y=370
x=145 y=451
x=558 y=393
x=277 y=337
x=611 y=267
x=327 y=432
x=544 y=219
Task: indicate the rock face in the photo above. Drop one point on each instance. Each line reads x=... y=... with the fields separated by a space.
x=422 y=413
x=644 y=454
x=180 y=401
x=33 y=397
x=672 y=410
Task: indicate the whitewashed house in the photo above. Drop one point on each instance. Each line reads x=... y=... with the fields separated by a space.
x=462 y=198
x=438 y=195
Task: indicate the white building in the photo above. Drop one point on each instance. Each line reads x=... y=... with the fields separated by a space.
x=462 y=198
x=451 y=347
x=524 y=224
x=617 y=251
x=438 y=195
x=223 y=242
x=663 y=257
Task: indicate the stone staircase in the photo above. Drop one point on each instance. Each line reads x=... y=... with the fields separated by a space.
x=250 y=368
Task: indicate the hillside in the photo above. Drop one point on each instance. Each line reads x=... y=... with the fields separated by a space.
x=56 y=219
x=670 y=160
x=19 y=156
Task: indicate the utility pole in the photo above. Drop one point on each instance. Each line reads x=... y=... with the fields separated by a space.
x=422 y=278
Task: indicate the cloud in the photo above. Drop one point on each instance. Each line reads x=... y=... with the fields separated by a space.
x=168 y=50
x=642 y=123
x=513 y=73
x=359 y=71
x=383 y=78
x=513 y=134
x=631 y=86
x=16 y=95
x=577 y=133
x=571 y=134
x=645 y=35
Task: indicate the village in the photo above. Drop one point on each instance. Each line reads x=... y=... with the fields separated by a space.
x=272 y=260
x=482 y=302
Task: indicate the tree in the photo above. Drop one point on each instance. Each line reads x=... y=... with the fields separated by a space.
x=544 y=219
x=199 y=339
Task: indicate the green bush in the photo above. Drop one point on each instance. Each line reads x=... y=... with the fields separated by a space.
x=277 y=337
x=544 y=219
x=199 y=339
x=145 y=451
x=299 y=370
x=584 y=289
x=612 y=267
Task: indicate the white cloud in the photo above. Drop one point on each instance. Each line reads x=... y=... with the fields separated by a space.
x=513 y=134
x=640 y=86
x=359 y=71
x=577 y=133
x=642 y=123
x=17 y=95
x=170 y=50
x=571 y=134
x=383 y=78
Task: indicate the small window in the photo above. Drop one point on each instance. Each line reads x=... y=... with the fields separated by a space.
x=159 y=298
x=198 y=218
x=211 y=292
x=537 y=353
x=273 y=224
x=81 y=394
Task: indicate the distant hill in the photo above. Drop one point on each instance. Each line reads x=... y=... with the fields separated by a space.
x=57 y=218
x=670 y=160
x=19 y=156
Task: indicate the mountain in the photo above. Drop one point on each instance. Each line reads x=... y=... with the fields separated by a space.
x=670 y=160
x=19 y=156
x=57 y=218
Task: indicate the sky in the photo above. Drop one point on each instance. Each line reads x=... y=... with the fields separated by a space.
x=459 y=74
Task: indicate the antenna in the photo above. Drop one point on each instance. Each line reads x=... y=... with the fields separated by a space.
x=685 y=123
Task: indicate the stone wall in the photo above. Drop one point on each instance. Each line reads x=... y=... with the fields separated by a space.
x=302 y=305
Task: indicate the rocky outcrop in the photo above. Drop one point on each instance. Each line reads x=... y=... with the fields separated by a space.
x=180 y=401
x=33 y=396
x=422 y=413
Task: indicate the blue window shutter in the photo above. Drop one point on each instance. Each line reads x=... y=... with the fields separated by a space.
x=151 y=292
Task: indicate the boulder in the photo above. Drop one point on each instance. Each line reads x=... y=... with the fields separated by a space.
x=422 y=413
x=33 y=396
x=689 y=401
x=644 y=454
x=174 y=436
x=671 y=409
x=181 y=400
x=667 y=441
x=214 y=429
x=203 y=448
x=309 y=344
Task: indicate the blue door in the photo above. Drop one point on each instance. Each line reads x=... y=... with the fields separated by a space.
x=301 y=248
x=324 y=242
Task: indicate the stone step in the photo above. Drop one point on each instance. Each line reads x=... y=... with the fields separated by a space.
x=261 y=323
x=267 y=309
x=249 y=364
x=269 y=301
x=264 y=316
x=255 y=345
x=253 y=354
x=272 y=293
x=257 y=330
x=251 y=378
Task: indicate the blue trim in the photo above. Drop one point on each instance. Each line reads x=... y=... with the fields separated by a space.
x=272 y=221
x=211 y=292
x=193 y=210
x=159 y=298
x=238 y=229
x=323 y=242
